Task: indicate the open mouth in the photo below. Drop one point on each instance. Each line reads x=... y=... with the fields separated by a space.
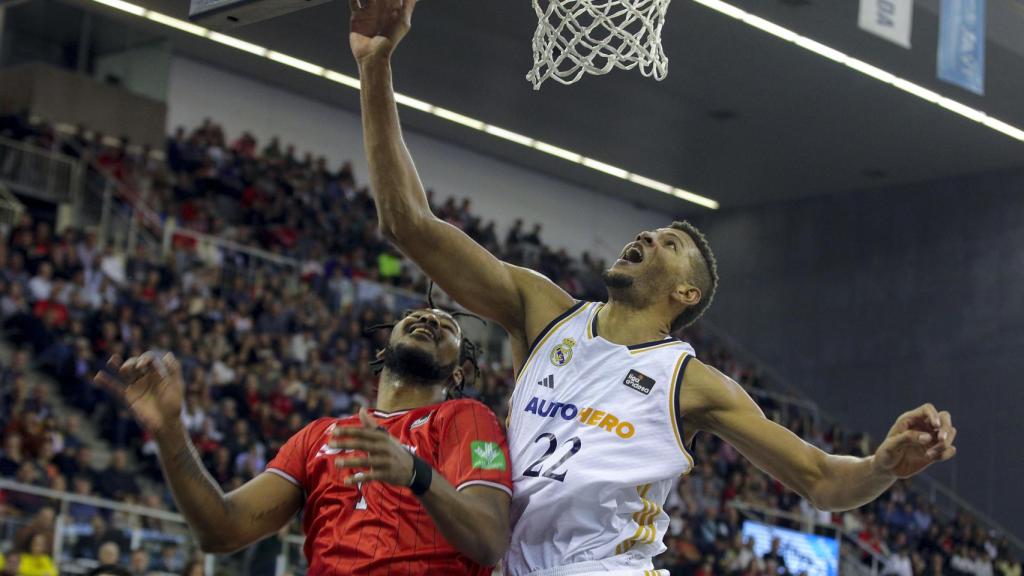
x=423 y=330
x=632 y=254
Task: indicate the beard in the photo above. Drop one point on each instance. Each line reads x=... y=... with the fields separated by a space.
x=418 y=366
x=627 y=290
x=615 y=281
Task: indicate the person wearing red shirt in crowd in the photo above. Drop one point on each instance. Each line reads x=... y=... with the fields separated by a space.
x=420 y=485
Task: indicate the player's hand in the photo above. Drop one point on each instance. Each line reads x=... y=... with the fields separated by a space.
x=917 y=440
x=377 y=26
x=387 y=460
x=151 y=387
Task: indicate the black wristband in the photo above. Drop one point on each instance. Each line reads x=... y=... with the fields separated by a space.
x=422 y=475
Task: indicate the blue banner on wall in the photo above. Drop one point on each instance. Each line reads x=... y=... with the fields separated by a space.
x=962 y=44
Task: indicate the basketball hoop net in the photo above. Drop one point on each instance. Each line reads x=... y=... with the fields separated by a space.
x=574 y=37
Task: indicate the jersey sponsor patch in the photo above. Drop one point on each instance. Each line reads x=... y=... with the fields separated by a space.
x=587 y=416
x=487 y=455
x=639 y=382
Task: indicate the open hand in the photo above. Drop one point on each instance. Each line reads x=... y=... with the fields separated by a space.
x=917 y=440
x=151 y=387
x=387 y=460
x=377 y=26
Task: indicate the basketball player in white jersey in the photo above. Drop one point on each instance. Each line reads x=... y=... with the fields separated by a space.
x=606 y=401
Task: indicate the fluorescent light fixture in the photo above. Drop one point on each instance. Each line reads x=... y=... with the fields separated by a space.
x=343 y=79
x=694 y=198
x=919 y=91
x=175 y=23
x=123 y=6
x=869 y=70
x=403 y=100
x=1000 y=126
x=821 y=50
x=606 y=168
x=458 y=118
x=965 y=111
x=559 y=152
x=237 y=44
x=652 y=184
x=770 y=27
x=508 y=135
x=296 y=63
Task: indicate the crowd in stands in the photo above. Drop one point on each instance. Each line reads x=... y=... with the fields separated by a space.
x=263 y=354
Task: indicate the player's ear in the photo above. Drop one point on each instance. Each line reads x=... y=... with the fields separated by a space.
x=687 y=294
x=458 y=377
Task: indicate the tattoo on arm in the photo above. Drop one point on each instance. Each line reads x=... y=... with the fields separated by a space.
x=195 y=491
x=186 y=464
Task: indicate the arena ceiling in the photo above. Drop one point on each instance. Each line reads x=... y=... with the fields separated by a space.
x=743 y=117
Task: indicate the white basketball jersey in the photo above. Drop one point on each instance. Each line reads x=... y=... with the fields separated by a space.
x=595 y=443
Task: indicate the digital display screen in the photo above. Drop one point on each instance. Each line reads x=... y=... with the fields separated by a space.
x=810 y=553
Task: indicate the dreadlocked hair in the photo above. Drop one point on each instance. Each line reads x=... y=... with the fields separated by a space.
x=705 y=276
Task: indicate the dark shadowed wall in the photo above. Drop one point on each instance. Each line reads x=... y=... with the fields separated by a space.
x=874 y=302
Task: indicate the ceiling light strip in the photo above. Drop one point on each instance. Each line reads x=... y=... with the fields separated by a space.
x=401 y=99
x=863 y=67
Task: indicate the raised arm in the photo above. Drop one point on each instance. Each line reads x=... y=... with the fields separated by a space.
x=222 y=523
x=520 y=300
x=716 y=404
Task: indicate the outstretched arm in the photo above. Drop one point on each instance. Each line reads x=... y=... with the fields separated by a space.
x=520 y=300
x=716 y=404
x=221 y=522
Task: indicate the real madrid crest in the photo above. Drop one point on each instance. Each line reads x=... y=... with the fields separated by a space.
x=562 y=353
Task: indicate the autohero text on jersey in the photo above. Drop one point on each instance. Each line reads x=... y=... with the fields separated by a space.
x=587 y=416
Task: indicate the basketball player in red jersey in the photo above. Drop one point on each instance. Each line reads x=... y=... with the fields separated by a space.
x=420 y=485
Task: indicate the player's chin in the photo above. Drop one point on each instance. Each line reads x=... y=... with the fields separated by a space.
x=621 y=274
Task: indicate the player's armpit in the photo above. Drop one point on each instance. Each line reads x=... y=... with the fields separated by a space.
x=712 y=402
x=259 y=508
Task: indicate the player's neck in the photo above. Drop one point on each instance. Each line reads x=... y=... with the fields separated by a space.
x=627 y=326
x=394 y=394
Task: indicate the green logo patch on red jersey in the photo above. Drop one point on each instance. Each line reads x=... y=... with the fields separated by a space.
x=487 y=455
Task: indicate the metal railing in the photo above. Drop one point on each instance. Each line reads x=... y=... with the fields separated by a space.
x=950 y=502
x=869 y=561
x=10 y=210
x=136 y=527
x=38 y=172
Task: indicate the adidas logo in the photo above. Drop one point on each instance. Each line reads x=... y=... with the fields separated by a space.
x=548 y=382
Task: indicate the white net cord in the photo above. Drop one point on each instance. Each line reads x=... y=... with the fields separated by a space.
x=577 y=37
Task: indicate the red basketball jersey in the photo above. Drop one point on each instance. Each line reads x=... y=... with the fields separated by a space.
x=377 y=528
